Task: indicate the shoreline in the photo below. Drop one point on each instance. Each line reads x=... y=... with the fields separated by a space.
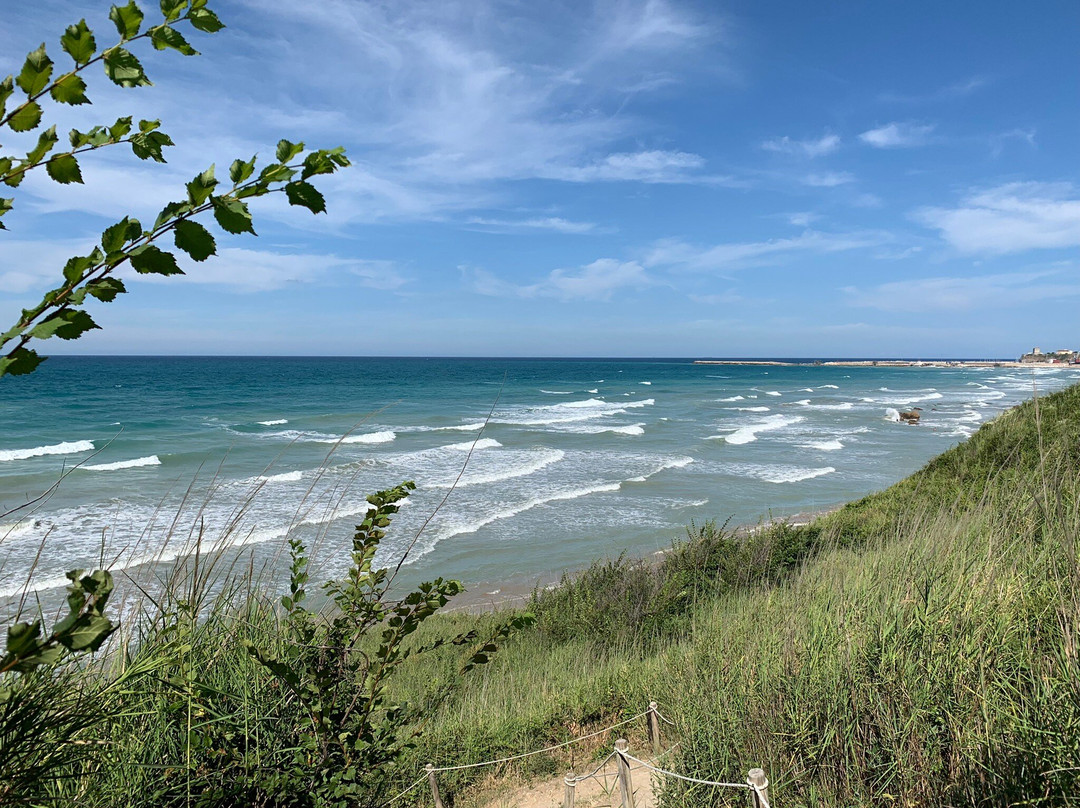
x=485 y=597
x=894 y=363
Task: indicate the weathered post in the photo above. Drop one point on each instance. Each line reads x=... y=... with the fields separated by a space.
x=654 y=729
x=571 y=788
x=625 y=786
x=434 y=785
x=759 y=787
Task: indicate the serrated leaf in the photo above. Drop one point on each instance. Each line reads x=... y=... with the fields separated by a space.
x=120 y=128
x=171 y=211
x=46 y=141
x=195 y=240
x=171 y=9
x=115 y=236
x=64 y=169
x=20 y=362
x=6 y=205
x=7 y=87
x=203 y=19
x=70 y=89
x=106 y=289
x=124 y=69
x=127 y=19
x=200 y=188
x=287 y=151
x=26 y=118
x=149 y=126
x=78 y=42
x=276 y=172
x=148 y=145
x=150 y=260
x=305 y=195
x=164 y=37
x=240 y=171
x=233 y=216
x=65 y=323
x=35 y=73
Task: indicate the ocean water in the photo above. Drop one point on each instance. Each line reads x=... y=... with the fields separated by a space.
x=578 y=458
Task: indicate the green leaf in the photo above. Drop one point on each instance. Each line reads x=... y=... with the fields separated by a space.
x=203 y=19
x=119 y=234
x=233 y=215
x=127 y=18
x=20 y=362
x=195 y=240
x=173 y=8
x=7 y=87
x=149 y=145
x=120 y=128
x=34 y=76
x=305 y=195
x=171 y=211
x=65 y=323
x=200 y=188
x=240 y=171
x=287 y=151
x=5 y=206
x=106 y=289
x=64 y=169
x=46 y=141
x=124 y=69
x=26 y=118
x=78 y=42
x=276 y=172
x=164 y=37
x=87 y=633
x=149 y=260
x=70 y=89
x=76 y=267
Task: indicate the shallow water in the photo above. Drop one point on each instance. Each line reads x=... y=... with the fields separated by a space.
x=579 y=458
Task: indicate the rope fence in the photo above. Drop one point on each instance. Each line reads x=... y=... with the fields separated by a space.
x=756 y=782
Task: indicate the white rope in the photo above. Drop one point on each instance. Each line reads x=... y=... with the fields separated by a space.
x=593 y=773
x=687 y=779
x=661 y=716
x=423 y=777
x=538 y=751
x=764 y=803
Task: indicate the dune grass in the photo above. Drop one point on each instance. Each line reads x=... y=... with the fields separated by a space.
x=916 y=647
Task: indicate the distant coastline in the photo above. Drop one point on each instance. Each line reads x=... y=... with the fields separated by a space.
x=891 y=363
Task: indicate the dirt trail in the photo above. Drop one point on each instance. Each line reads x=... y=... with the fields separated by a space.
x=599 y=791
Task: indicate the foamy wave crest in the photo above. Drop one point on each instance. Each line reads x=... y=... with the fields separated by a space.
x=10 y=530
x=138 y=462
x=749 y=433
x=773 y=393
x=844 y=405
x=569 y=412
x=277 y=422
x=833 y=387
x=805 y=402
x=824 y=445
x=483 y=443
x=68 y=447
x=384 y=436
x=592 y=391
x=644 y=382
x=284 y=477
x=892 y=415
x=732 y=398
x=913 y=399
x=794 y=475
x=532 y=465
x=474 y=427
x=748 y=409
x=558 y=392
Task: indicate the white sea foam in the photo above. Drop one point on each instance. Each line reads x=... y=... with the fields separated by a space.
x=11 y=530
x=733 y=398
x=284 y=477
x=277 y=422
x=483 y=443
x=474 y=427
x=807 y=390
x=844 y=405
x=535 y=462
x=384 y=436
x=830 y=387
x=748 y=409
x=592 y=391
x=569 y=412
x=824 y=445
x=68 y=447
x=794 y=475
x=913 y=399
x=892 y=415
x=773 y=393
x=139 y=462
x=750 y=432
x=644 y=382
x=803 y=401
x=558 y=392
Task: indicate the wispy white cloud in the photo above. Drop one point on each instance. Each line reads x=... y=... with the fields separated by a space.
x=999 y=140
x=1010 y=218
x=599 y=280
x=549 y=223
x=898 y=135
x=737 y=255
x=1006 y=290
x=826 y=144
x=957 y=89
x=827 y=179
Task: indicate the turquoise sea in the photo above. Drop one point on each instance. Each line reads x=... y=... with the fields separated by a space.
x=578 y=458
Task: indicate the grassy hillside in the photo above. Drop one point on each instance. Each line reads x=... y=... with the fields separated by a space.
x=916 y=647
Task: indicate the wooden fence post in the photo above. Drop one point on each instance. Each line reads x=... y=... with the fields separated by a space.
x=757 y=778
x=571 y=787
x=654 y=729
x=625 y=785
x=434 y=785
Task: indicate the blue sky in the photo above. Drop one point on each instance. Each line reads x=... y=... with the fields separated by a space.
x=617 y=178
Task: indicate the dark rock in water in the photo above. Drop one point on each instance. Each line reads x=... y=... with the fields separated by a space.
x=911 y=416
